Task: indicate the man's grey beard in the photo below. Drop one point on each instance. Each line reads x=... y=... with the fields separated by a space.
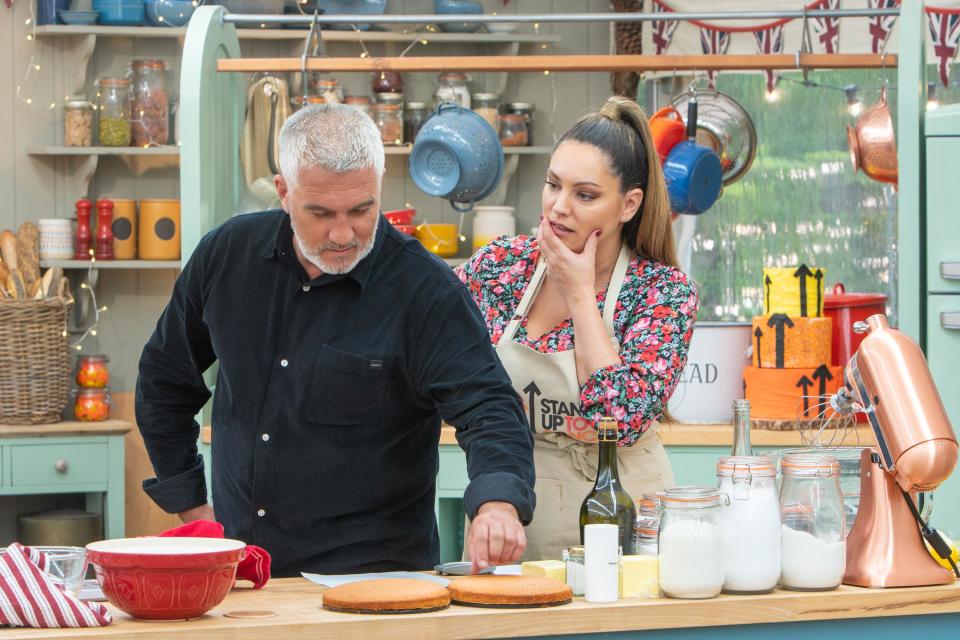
x=313 y=255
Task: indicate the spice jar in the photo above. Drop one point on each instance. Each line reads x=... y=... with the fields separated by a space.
x=513 y=130
x=151 y=106
x=452 y=87
x=92 y=405
x=813 y=533
x=487 y=106
x=113 y=123
x=414 y=115
x=360 y=103
x=78 y=123
x=576 y=569
x=526 y=109
x=689 y=545
x=330 y=90
x=387 y=82
x=92 y=372
x=750 y=524
x=387 y=118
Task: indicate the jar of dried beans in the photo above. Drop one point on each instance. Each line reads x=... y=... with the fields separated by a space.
x=151 y=106
x=113 y=121
x=78 y=123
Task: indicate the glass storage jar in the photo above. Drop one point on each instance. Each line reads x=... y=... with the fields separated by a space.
x=749 y=523
x=113 y=121
x=387 y=82
x=813 y=530
x=151 y=105
x=452 y=87
x=388 y=120
x=360 y=103
x=487 y=106
x=689 y=545
x=78 y=123
x=574 y=558
x=513 y=130
x=395 y=99
x=526 y=109
x=648 y=522
x=92 y=371
x=414 y=115
x=330 y=90
x=92 y=405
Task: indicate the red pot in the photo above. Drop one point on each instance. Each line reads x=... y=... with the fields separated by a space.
x=409 y=229
x=400 y=216
x=166 y=578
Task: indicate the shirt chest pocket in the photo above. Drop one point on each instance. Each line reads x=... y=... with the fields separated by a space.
x=347 y=389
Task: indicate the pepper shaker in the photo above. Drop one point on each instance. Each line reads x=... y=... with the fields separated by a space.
x=104 y=250
x=81 y=247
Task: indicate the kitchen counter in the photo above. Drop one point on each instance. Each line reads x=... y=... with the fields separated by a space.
x=297 y=604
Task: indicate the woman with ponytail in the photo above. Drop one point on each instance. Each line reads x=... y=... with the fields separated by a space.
x=591 y=318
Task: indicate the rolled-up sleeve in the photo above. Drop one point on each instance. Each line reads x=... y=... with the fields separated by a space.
x=456 y=365
x=171 y=390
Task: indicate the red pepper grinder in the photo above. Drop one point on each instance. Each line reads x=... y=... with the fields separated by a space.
x=81 y=247
x=104 y=250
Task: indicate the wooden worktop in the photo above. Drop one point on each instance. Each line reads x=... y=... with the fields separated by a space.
x=66 y=428
x=703 y=435
x=297 y=604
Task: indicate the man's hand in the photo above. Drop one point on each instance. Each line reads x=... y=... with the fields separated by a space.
x=204 y=512
x=496 y=536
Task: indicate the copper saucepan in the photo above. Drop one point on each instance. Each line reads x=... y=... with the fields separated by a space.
x=872 y=144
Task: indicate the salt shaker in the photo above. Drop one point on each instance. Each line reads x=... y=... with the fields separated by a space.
x=601 y=550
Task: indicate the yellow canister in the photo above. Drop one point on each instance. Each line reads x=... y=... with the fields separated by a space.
x=124 y=229
x=159 y=237
x=439 y=239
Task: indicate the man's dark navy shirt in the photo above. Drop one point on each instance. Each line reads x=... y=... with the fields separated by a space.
x=328 y=402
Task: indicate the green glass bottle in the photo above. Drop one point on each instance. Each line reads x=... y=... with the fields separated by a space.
x=608 y=502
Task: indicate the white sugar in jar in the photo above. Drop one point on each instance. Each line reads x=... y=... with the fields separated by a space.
x=690 y=546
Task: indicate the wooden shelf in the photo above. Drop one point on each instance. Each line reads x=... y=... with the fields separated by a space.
x=404 y=150
x=297 y=34
x=65 y=428
x=165 y=150
x=112 y=264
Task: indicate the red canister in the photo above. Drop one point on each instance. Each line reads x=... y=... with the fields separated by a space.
x=845 y=309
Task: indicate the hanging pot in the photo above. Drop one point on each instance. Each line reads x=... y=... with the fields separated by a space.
x=692 y=172
x=872 y=143
x=667 y=131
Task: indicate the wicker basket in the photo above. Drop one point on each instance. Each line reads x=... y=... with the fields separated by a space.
x=34 y=360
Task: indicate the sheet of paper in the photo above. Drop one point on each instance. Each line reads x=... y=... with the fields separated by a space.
x=335 y=580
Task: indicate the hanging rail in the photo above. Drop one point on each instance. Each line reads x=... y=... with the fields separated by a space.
x=559 y=63
x=258 y=19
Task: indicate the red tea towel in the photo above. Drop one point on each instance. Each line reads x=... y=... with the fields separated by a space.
x=29 y=599
x=255 y=565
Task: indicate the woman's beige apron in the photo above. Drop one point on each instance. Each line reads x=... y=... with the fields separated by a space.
x=565 y=453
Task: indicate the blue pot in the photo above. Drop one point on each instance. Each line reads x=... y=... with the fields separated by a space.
x=694 y=177
x=352 y=7
x=457 y=155
x=168 y=13
x=442 y=7
x=120 y=12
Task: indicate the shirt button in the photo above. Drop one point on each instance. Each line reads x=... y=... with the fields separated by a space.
x=306 y=287
x=284 y=362
x=265 y=437
x=261 y=512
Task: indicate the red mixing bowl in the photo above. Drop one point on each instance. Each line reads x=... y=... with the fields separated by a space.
x=400 y=216
x=166 y=578
x=409 y=229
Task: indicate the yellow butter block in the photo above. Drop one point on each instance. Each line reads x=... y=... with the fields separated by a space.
x=555 y=569
x=640 y=577
x=782 y=342
x=794 y=291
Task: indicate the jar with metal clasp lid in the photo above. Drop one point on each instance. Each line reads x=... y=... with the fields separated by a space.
x=813 y=530
x=92 y=404
x=526 y=109
x=648 y=523
x=414 y=115
x=360 y=103
x=113 y=120
x=330 y=90
x=452 y=87
x=750 y=523
x=150 y=118
x=689 y=545
x=388 y=120
x=487 y=106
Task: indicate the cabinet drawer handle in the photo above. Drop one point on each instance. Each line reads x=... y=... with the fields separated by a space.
x=60 y=465
x=950 y=320
x=950 y=270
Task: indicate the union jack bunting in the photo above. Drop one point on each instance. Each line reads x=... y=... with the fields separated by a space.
x=714 y=41
x=770 y=41
x=828 y=29
x=880 y=26
x=663 y=30
x=945 y=34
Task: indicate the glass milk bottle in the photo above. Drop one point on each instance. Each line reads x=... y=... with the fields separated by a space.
x=749 y=523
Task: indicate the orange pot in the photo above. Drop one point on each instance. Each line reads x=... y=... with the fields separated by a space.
x=668 y=130
x=159 y=237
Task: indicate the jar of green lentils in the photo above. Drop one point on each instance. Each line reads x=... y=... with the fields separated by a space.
x=113 y=108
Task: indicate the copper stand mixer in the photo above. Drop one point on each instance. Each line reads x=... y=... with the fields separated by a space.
x=888 y=380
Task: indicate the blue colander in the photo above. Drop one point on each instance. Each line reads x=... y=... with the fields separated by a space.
x=457 y=156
